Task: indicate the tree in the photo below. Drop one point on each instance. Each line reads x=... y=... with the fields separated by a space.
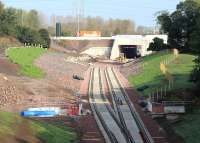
x=8 y=22
x=195 y=44
x=117 y=31
x=26 y=35
x=165 y=21
x=195 y=75
x=44 y=34
x=180 y=24
x=12 y=23
x=32 y=20
x=142 y=30
x=1 y=7
x=107 y=27
x=157 y=45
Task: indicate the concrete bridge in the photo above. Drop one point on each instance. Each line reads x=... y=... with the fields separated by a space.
x=130 y=46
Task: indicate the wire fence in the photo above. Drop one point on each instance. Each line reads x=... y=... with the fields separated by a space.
x=160 y=93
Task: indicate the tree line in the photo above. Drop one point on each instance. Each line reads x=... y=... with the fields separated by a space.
x=183 y=29
x=23 y=25
x=28 y=26
x=108 y=27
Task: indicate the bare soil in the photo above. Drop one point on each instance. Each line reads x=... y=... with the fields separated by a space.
x=56 y=89
x=7 y=67
x=59 y=70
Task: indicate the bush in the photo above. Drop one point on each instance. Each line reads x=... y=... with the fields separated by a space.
x=195 y=75
x=44 y=34
x=27 y=35
x=157 y=45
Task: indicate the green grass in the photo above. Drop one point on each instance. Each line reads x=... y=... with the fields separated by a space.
x=189 y=127
x=25 y=58
x=13 y=126
x=153 y=78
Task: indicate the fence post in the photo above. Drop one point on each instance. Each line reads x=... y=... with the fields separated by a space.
x=153 y=97
x=169 y=85
x=157 y=94
x=150 y=96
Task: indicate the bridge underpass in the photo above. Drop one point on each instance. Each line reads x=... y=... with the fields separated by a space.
x=129 y=51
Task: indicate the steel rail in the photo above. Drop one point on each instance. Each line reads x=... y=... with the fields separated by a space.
x=109 y=133
x=145 y=133
x=119 y=112
x=122 y=128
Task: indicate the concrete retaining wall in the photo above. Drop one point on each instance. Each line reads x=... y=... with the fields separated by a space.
x=174 y=109
x=98 y=51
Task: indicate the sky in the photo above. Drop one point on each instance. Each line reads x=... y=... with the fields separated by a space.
x=142 y=12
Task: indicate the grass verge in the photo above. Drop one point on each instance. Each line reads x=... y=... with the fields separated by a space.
x=189 y=128
x=152 y=77
x=13 y=128
x=25 y=58
x=186 y=129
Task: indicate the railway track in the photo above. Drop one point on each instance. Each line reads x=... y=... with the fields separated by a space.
x=121 y=125
x=125 y=110
x=106 y=120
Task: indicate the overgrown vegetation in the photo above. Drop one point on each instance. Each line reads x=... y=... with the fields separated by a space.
x=152 y=78
x=25 y=58
x=14 y=128
x=23 y=25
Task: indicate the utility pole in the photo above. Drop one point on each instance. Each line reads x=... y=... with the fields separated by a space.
x=22 y=18
x=79 y=14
